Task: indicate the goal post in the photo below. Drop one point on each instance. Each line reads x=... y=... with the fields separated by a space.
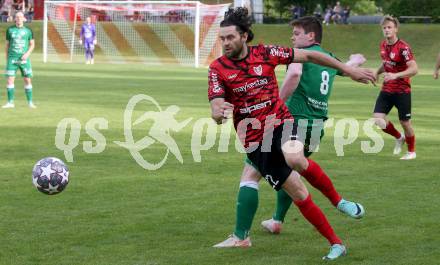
x=149 y=32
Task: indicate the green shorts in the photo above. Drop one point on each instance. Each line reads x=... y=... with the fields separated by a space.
x=15 y=64
x=308 y=146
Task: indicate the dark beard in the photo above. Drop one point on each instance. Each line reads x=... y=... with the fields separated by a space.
x=235 y=54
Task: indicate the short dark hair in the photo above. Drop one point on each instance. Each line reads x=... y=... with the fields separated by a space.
x=239 y=18
x=309 y=24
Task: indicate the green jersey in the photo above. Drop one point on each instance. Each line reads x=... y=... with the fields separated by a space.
x=310 y=99
x=19 y=39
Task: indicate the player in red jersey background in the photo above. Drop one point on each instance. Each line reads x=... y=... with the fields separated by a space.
x=398 y=65
x=243 y=81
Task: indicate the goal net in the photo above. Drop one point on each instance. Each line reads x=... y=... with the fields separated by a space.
x=150 y=32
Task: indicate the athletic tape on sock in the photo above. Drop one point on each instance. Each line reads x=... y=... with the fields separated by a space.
x=249 y=184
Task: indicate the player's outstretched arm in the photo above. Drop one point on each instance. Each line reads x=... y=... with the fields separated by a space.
x=379 y=71
x=220 y=109
x=358 y=74
x=356 y=60
x=291 y=81
x=437 y=67
x=409 y=72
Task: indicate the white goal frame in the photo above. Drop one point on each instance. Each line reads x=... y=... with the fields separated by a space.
x=197 y=22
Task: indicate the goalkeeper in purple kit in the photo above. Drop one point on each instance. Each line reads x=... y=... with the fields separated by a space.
x=88 y=38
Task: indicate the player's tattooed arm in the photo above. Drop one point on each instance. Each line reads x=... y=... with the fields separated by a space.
x=358 y=74
x=356 y=60
x=409 y=72
x=291 y=81
x=220 y=109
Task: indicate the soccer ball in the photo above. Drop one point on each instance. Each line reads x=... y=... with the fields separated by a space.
x=50 y=175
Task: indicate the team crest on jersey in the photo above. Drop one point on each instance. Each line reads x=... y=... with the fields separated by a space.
x=258 y=69
x=392 y=55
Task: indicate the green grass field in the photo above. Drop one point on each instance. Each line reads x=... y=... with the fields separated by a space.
x=116 y=212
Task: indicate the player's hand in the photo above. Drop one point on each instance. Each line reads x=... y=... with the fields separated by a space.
x=389 y=76
x=357 y=59
x=24 y=57
x=221 y=110
x=435 y=74
x=94 y=42
x=80 y=42
x=377 y=75
x=227 y=110
x=362 y=75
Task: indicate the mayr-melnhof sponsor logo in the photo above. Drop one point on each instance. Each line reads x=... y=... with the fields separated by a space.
x=255 y=84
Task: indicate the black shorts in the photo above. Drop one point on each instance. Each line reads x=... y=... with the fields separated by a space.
x=386 y=101
x=271 y=162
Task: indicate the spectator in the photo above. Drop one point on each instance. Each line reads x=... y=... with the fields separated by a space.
x=318 y=12
x=301 y=11
x=328 y=15
x=346 y=14
x=29 y=10
x=137 y=17
x=18 y=6
x=6 y=11
x=297 y=11
x=337 y=13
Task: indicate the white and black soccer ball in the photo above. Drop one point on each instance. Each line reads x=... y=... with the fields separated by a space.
x=50 y=175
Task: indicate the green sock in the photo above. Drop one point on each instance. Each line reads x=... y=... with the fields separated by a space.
x=28 y=91
x=11 y=92
x=283 y=204
x=247 y=204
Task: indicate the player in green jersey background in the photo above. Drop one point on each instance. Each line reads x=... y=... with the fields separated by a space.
x=306 y=90
x=307 y=33
x=19 y=46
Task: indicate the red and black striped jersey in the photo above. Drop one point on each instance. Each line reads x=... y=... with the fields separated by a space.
x=251 y=86
x=394 y=59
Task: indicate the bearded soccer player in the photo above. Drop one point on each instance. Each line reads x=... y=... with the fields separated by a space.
x=398 y=65
x=243 y=81
x=88 y=37
x=19 y=46
x=306 y=90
